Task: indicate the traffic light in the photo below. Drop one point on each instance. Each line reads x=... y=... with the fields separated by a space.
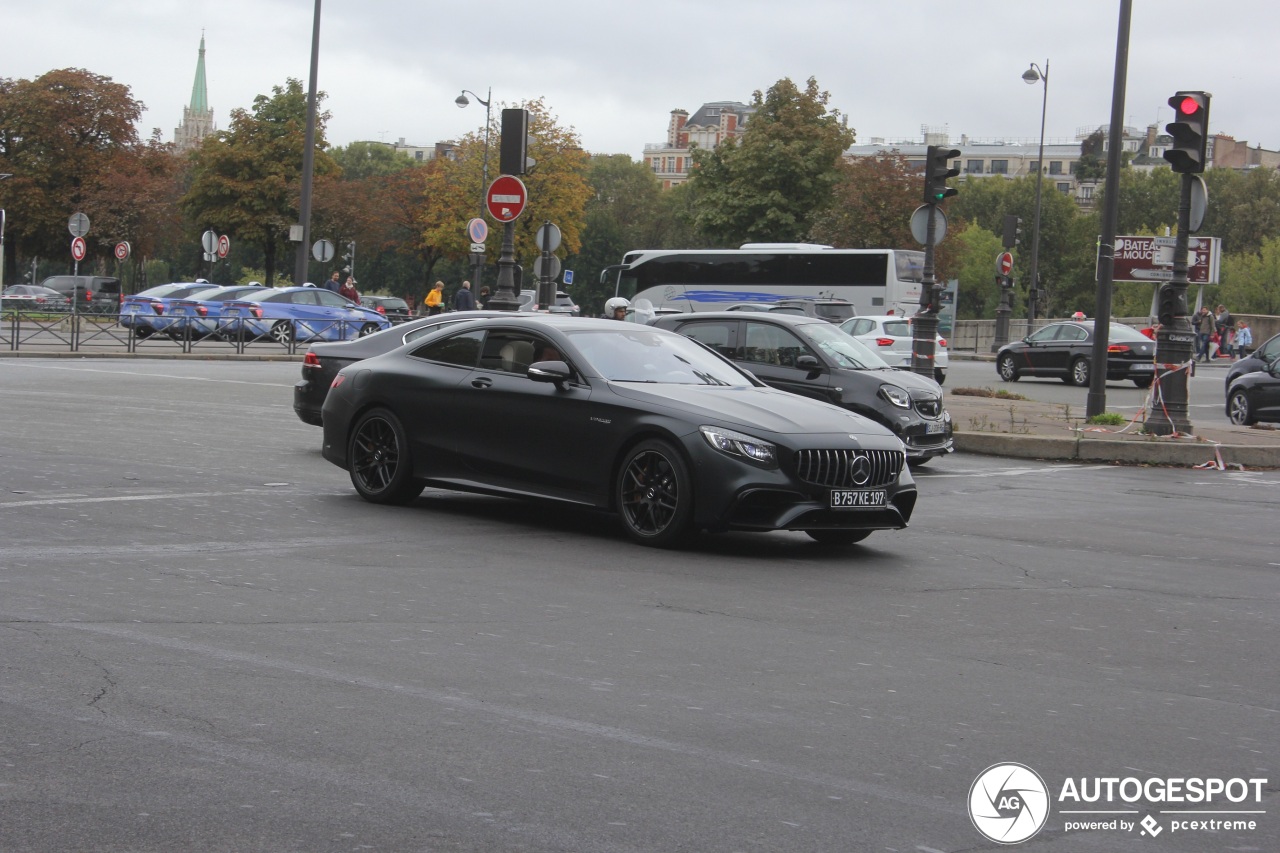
x=515 y=137
x=1012 y=231
x=1190 y=132
x=937 y=169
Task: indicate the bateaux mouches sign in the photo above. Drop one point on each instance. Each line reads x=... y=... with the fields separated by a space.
x=1150 y=259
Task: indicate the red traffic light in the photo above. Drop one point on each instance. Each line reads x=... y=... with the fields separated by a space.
x=1189 y=106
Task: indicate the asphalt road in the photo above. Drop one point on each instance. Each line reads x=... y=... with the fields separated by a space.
x=208 y=642
x=1206 y=400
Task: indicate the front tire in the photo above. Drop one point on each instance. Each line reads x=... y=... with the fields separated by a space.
x=1079 y=374
x=379 y=460
x=1007 y=369
x=654 y=495
x=838 y=537
x=368 y=329
x=1240 y=410
x=1145 y=382
x=939 y=375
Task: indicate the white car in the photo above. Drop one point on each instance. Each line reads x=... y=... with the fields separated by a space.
x=890 y=337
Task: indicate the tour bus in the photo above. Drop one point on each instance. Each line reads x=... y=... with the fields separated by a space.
x=876 y=281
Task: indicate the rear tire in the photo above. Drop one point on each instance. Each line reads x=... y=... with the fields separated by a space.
x=939 y=375
x=368 y=329
x=141 y=332
x=282 y=332
x=838 y=537
x=654 y=495
x=1145 y=382
x=1079 y=373
x=379 y=460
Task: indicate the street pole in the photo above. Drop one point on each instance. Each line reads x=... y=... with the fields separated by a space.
x=925 y=322
x=1033 y=75
x=308 y=157
x=1096 y=401
x=3 y=176
x=1003 y=310
x=1168 y=407
x=462 y=102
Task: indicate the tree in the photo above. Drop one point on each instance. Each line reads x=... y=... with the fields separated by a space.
x=58 y=134
x=872 y=203
x=976 y=249
x=360 y=160
x=1250 y=280
x=246 y=180
x=1091 y=166
x=771 y=183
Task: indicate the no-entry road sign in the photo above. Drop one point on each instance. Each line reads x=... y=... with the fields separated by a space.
x=78 y=248
x=1004 y=263
x=224 y=246
x=506 y=198
x=122 y=251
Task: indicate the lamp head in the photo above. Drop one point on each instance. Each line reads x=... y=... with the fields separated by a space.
x=461 y=100
x=1031 y=75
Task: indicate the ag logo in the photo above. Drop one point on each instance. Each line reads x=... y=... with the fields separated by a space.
x=1008 y=803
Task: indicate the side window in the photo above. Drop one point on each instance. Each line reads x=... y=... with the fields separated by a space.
x=899 y=329
x=329 y=299
x=769 y=344
x=1073 y=333
x=1271 y=351
x=513 y=351
x=301 y=297
x=861 y=327
x=716 y=334
x=1046 y=334
x=459 y=350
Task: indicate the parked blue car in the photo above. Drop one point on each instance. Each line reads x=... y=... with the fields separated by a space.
x=201 y=314
x=300 y=313
x=147 y=312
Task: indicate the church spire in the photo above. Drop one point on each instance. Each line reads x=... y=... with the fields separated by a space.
x=199 y=90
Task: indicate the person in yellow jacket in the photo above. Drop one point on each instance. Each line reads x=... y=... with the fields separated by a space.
x=434 y=303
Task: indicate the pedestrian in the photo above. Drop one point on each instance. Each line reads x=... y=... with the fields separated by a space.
x=1225 y=325
x=1205 y=326
x=434 y=303
x=464 y=299
x=1243 y=339
x=348 y=290
x=483 y=297
x=333 y=283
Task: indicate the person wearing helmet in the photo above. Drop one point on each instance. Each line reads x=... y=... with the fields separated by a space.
x=1079 y=315
x=616 y=308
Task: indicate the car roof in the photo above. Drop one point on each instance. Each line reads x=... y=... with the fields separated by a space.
x=755 y=316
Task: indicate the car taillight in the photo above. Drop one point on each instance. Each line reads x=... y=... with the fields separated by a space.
x=87 y=296
x=337 y=380
x=310 y=360
x=202 y=310
x=382 y=310
x=884 y=342
x=942 y=342
x=1118 y=348
x=257 y=311
x=157 y=307
x=39 y=299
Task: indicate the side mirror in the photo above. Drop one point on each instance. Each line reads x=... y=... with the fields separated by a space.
x=1274 y=367
x=555 y=372
x=808 y=362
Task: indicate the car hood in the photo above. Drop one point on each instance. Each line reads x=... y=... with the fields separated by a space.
x=751 y=408
x=913 y=383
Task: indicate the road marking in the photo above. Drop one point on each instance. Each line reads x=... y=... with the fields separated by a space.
x=161 y=497
x=20 y=363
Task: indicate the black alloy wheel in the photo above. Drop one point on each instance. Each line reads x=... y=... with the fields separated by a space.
x=1144 y=382
x=838 y=537
x=142 y=331
x=379 y=461
x=655 y=494
x=1007 y=369
x=939 y=375
x=1239 y=409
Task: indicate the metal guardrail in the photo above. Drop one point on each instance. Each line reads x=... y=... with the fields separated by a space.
x=23 y=329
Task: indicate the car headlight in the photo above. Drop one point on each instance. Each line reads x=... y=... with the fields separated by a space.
x=896 y=395
x=742 y=446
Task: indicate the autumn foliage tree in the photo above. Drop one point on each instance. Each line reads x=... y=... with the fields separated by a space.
x=246 y=180
x=59 y=135
x=871 y=204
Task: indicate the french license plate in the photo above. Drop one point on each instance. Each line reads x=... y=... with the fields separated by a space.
x=934 y=427
x=857 y=498
x=1144 y=366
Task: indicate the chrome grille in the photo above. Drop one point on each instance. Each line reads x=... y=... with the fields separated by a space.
x=930 y=408
x=835 y=468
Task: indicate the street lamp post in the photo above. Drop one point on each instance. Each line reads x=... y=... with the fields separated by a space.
x=1031 y=76
x=3 y=176
x=462 y=103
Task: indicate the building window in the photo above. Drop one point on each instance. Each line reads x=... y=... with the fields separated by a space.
x=1055 y=167
x=1086 y=192
x=1034 y=167
x=974 y=167
x=1071 y=167
x=1064 y=187
x=999 y=167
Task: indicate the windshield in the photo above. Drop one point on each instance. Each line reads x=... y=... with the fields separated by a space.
x=834 y=311
x=631 y=354
x=844 y=350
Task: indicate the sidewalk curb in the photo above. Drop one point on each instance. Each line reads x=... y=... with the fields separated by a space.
x=1187 y=453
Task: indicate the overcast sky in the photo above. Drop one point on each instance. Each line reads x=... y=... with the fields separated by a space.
x=614 y=71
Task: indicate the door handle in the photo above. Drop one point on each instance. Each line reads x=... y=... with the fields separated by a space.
x=481 y=382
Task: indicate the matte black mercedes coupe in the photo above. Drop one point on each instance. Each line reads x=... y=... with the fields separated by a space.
x=644 y=422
